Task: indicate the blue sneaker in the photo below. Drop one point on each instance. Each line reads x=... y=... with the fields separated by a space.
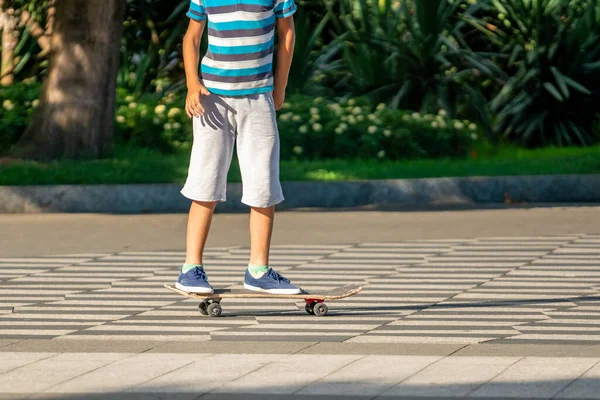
x=270 y=282
x=194 y=281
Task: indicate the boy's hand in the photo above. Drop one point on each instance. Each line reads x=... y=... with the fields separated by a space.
x=278 y=96
x=193 y=102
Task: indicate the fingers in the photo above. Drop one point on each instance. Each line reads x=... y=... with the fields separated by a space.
x=193 y=105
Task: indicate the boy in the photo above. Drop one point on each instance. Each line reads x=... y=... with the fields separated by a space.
x=235 y=102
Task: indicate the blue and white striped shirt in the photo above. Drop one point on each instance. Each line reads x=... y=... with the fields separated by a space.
x=241 y=35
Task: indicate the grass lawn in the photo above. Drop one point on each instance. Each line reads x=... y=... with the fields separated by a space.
x=133 y=165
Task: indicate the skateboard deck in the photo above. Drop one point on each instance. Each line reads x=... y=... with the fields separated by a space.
x=315 y=305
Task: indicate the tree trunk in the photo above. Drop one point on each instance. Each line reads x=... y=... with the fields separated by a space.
x=76 y=112
x=7 y=44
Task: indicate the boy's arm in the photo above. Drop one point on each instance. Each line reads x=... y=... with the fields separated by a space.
x=287 y=39
x=191 y=59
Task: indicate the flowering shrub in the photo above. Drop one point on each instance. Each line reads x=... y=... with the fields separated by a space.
x=317 y=129
x=152 y=121
x=17 y=102
x=309 y=128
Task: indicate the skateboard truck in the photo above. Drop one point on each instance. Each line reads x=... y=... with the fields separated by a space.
x=316 y=307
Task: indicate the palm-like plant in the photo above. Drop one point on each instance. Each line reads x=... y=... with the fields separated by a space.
x=409 y=54
x=552 y=52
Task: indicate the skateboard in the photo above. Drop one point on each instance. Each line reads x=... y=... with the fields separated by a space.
x=211 y=303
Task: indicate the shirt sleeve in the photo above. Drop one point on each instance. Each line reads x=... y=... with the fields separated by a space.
x=196 y=11
x=284 y=8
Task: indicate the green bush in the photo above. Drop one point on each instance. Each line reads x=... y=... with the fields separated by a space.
x=551 y=52
x=17 y=103
x=317 y=129
x=152 y=121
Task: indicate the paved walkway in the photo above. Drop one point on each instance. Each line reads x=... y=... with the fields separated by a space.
x=490 y=317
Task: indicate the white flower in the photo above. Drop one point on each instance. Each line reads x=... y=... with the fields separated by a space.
x=129 y=99
x=428 y=117
x=167 y=126
x=381 y=154
x=317 y=127
x=156 y=121
x=405 y=117
x=286 y=105
x=435 y=124
x=319 y=100
x=472 y=127
x=132 y=105
x=8 y=105
x=298 y=149
x=474 y=136
x=314 y=110
x=341 y=128
x=296 y=118
x=27 y=103
x=372 y=129
x=315 y=117
x=360 y=118
x=173 y=112
x=380 y=106
x=160 y=109
x=442 y=113
x=286 y=116
x=356 y=110
x=351 y=119
x=35 y=103
x=416 y=115
x=303 y=129
x=120 y=119
x=372 y=117
x=176 y=125
x=351 y=102
x=387 y=133
x=143 y=113
x=458 y=125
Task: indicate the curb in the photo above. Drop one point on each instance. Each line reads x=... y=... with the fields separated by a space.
x=157 y=198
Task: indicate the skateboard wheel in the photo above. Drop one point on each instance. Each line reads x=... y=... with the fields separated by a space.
x=309 y=307
x=320 y=309
x=202 y=307
x=214 y=309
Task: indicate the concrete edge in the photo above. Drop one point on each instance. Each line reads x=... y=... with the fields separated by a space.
x=290 y=347
x=156 y=198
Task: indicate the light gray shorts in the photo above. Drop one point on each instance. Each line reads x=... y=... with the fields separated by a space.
x=250 y=123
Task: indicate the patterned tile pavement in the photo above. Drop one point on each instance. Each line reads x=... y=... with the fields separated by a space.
x=504 y=290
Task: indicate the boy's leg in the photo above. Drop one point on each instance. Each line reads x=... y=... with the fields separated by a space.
x=258 y=153
x=206 y=183
x=261 y=228
x=199 y=221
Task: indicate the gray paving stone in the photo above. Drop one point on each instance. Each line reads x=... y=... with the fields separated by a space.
x=76 y=346
x=535 y=377
x=232 y=347
x=369 y=376
x=382 y=349
x=452 y=376
x=206 y=375
x=586 y=386
x=39 y=375
x=12 y=360
x=123 y=374
x=529 y=350
x=287 y=375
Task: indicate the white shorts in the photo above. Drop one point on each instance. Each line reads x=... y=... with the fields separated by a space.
x=249 y=122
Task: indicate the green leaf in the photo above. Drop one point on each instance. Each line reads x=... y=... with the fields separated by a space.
x=577 y=86
x=560 y=81
x=552 y=90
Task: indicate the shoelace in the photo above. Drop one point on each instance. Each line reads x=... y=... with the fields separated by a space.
x=198 y=273
x=277 y=277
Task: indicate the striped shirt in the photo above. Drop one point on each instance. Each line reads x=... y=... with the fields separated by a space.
x=241 y=35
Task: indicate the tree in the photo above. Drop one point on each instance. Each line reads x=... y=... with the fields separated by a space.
x=76 y=112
